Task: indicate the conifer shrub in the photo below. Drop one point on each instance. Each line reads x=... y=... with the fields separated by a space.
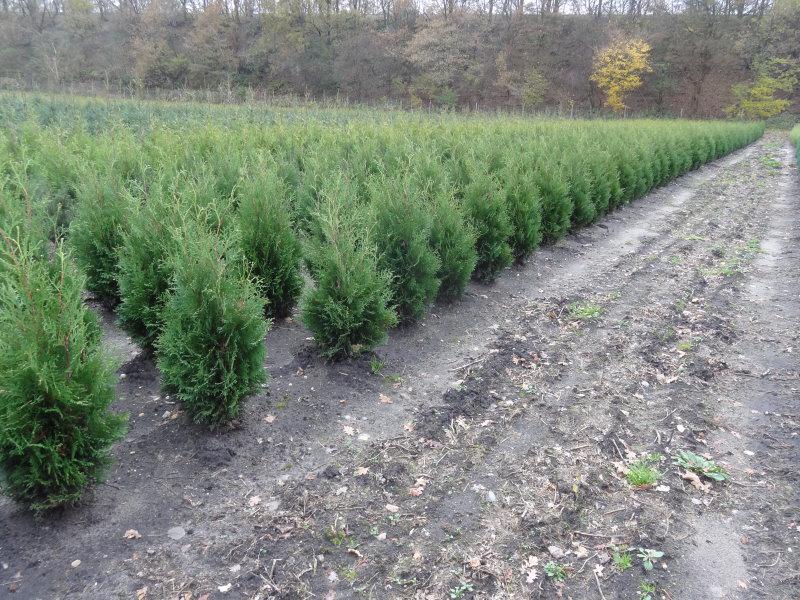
x=402 y=233
x=580 y=190
x=96 y=232
x=56 y=429
x=211 y=350
x=485 y=207
x=349 y=310
x=268 y=242
x=453 y=239
x=145 y=268
x=524 y=205
x=602 y=175
x=556 y=204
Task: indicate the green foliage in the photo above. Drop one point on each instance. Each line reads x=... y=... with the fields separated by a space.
x=556 y=205
x=534 y=89
x=402 y=232
x=56 y=429
x=453 y=239
x=648 y=557
x=96 y=233
x=349 y=310
x=703 y=466
x=622 y=560
x=486 y=209
x=211 y=350
x=794 y=136
x=268 y=242
x=145 y=269
x=524 y=206
x=555 y=571
x=757 y=100
x=642 y=473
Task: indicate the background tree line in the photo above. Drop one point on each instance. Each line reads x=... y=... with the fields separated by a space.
x=704 y=56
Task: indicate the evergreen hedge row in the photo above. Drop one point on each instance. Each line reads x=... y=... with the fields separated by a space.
x=421 y=204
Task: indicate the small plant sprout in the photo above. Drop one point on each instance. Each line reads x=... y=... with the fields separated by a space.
x=376 y=365
x=642 y=473
x=622 y=560
x=685 y=346
x=646 y=590
x=461 y=589
x=649 y=556
x=700 y=465
x=584 y=311
x=555 y=571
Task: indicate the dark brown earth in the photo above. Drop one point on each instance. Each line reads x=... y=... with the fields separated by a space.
x=494 y=438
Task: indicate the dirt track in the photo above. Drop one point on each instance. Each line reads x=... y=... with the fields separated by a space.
x=491 y=440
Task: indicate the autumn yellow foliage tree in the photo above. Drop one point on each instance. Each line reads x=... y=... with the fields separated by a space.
x=618 y=70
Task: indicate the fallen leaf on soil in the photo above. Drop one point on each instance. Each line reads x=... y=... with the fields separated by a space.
x=385 y=399
x=695 y=481
x=392 y=508
x=75 y=563
x=132 y=534
x=224 y=589
x=532 y=575
x=598 y=569
x=581 y=552
x=474 y=562
x=141 y=594
x=348 y=430
x=742 y=584
x=254 y=501
x=555 y=551
x=362 y=471
x=417 y=556
x=408 y=427
x=355 y=552
x=270 y=418
x=333 y=577
x=331 y=595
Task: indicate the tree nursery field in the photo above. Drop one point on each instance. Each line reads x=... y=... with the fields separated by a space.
x=329 y=353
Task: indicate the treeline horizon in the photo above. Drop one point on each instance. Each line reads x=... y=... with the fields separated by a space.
x=485 y=54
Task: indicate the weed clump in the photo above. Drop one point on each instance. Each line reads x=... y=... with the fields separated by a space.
x=211 y=350
x=58 y=384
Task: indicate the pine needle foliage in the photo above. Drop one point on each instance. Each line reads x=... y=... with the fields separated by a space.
x=268 y=242
x=211 y=351
x=56 y=429
x=402 y=234
x=349 y=310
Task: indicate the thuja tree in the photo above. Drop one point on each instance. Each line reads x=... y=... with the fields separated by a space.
x=56 y=430
x=453 y=239
x=402 y=234
x=211 y=350
x=96 y=232
x=348 y=311
x=486 y=210
x=268 y=242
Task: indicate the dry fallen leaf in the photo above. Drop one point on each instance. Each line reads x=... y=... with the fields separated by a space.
x=362 y=471
x=392 y=508
x=141 y=594
x=408 y=427
x=254 y=501
x=385 y=399
x=694 y=479
x=348 y=430
x=474 y=562
x=132 y=534
x=270 y=418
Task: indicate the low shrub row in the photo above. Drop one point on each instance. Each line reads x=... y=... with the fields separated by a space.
x=794 y=136
x=199 y=236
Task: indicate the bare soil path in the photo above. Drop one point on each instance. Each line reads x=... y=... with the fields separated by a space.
x=477 y=447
